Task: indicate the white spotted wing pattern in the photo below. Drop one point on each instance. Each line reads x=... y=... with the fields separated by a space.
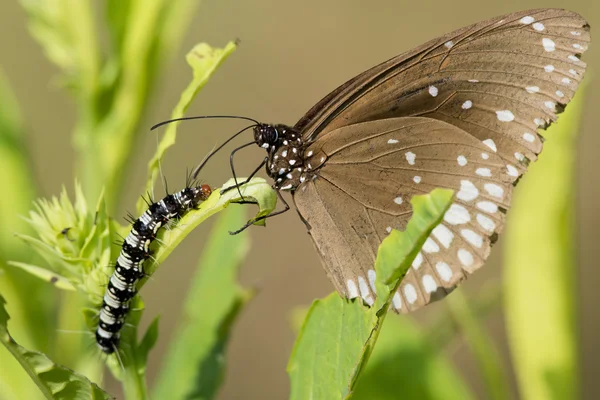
x=460 y=112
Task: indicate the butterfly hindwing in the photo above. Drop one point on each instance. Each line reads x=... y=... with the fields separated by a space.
x=363 y=190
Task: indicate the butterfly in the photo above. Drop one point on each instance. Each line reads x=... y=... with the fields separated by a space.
x=462 y=112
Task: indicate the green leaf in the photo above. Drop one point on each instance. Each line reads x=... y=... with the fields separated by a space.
x=540 y=268
x=54 y=381
x=195 y=363
x=404 y=365
x=338 y=335
x=60 y=282
x=148 y=341
x=204 y=61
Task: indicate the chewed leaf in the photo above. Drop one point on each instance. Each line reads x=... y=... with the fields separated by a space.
x=345 y=331
x=398 y=249
x=54 y=381
x=204 y=61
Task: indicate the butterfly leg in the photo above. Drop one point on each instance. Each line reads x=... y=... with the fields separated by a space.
x=237 y=185
x=263 y=217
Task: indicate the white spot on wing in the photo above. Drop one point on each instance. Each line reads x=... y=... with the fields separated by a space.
x=494 y=190
x=490 y=143
x=520 y=157
x=410 y=157
x=512 y=171
x=456 y=215
x=462 y=160
x=397 y=301
x=417 y=179
x=485 y=156
x=529 y=137
x=532 y=89
x=472 y=237
x=429 y=284
x=573 y=72
x=430 y=246
x=449 y=44
x=549 y=68
x=486 y=223
x=467 y=104
x=548 y=44
x=398 y=200
x=372 y=276
x=467 y=191
x=433 y=91
x=550 y=105
x=443 y=235
x=577 y=46
x=444 y=271
x=505 y=116
x=566 y=81
x=487 y=206
x=364 y=291
x=538 y=26
x=575 y=33
x=465 y=257
x=573 y=58
x=392 y=141
x=483 y=172
x=352 y=289
x=560 y=94
x=527 y=20
x=417 y=261
x=410 y=293
x=473 y=81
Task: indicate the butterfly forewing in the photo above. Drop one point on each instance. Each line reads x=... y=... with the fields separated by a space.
x=480 y=94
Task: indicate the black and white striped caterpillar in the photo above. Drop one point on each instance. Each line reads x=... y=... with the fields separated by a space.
x=135 y=250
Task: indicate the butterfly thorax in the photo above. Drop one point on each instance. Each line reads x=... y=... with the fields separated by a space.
x=286 y=159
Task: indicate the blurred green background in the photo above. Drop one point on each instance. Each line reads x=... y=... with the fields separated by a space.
x=291 y=54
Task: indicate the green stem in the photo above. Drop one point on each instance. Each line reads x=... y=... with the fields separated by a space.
x=486 y=354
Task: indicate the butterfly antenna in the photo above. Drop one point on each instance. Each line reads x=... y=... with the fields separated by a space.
x=203 y=117
x=216 y=150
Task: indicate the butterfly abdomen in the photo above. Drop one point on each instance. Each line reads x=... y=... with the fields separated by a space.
x=129 y=266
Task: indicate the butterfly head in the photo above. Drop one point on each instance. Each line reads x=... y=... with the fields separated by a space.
x=266 y=136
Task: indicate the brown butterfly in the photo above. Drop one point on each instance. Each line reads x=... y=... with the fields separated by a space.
x=460 y=112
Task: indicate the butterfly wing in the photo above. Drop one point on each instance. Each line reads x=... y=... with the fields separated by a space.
x=460 y=112
x=362 y=192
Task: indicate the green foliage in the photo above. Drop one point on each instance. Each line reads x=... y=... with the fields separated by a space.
x=540 y=270
x=54 y=381
x=481 y=345
x=69 y=246
x=338 y=336
x=406 y=365
x=195 y=363
x=204 y=61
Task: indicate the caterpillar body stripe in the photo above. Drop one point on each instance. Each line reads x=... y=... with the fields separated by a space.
x=129 y=266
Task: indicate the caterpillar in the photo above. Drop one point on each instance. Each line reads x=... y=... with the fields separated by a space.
x=134 y=251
